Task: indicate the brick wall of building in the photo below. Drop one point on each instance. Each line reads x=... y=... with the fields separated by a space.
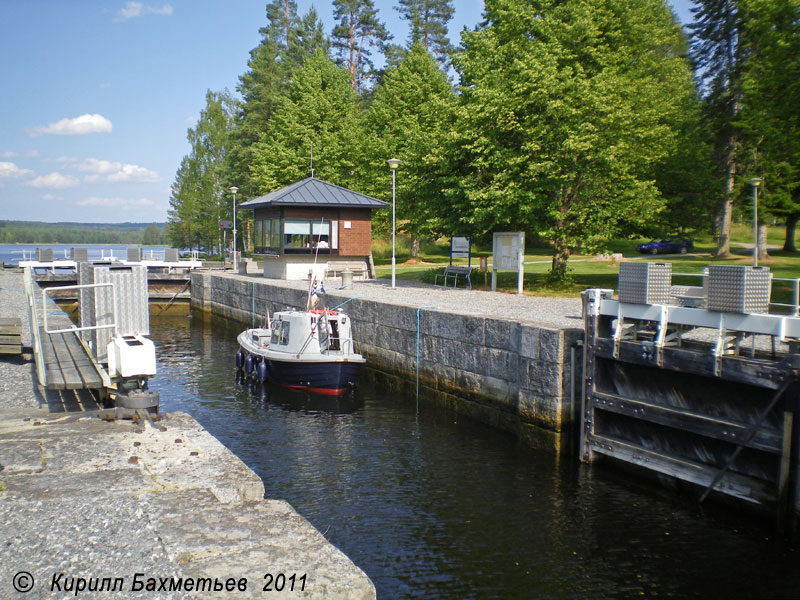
x=356 y=241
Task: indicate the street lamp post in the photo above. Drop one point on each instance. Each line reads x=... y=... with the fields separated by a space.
x=233 y=190
x=755 y=181
x=393 y=164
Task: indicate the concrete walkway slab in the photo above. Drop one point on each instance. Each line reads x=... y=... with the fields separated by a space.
x=85 y=500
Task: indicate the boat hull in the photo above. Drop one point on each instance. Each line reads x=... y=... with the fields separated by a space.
x=329 y=374
x=330 y=378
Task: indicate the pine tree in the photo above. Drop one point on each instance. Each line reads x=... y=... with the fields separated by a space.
x=717 y=53
x=358 y=31
x=282 y=17
x=428 y=25
x=321 y=108
x=287 y=42
x=769 y=123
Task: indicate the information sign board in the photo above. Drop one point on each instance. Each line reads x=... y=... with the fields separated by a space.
x=461 y=247
x=508 y=250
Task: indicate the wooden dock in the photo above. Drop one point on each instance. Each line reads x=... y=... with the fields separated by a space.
x=63 y=361
x=68 y=365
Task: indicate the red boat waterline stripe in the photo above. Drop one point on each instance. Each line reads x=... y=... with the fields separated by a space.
x=323 y=391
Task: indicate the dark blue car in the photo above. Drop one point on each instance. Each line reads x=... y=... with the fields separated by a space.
x=666 y=246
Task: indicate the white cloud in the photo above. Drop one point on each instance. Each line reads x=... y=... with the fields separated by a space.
x=50 y=197
x=9 y=155
x=32 y=154
x=54 y=180
x=81 y=125
x=134 y=173
x=114 y=171
x=8 y=170
x=120 y=203
x=134 y=10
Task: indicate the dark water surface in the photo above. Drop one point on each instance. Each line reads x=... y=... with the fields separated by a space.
x=430 y=505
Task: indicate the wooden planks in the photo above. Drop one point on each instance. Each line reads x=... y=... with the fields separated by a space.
x=742 y=487
x=67 y=366
x=53 y=376
x=726 y=430
x=10 y=336
x=86 y=370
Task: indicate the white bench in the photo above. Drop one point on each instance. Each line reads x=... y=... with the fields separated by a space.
x=334 y=268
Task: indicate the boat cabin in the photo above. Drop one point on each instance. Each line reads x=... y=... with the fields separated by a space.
x=308 y=333
x=312 y=221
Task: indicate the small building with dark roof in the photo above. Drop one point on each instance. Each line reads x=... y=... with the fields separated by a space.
x=311 y=219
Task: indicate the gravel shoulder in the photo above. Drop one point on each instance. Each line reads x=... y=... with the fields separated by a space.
x=553 y=312
x=16 y=372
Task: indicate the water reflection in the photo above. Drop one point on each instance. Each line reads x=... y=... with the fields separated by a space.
x=438 y=507
x=299 y=400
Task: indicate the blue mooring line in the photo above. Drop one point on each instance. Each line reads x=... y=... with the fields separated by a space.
x=346 y=301
x=418 y=310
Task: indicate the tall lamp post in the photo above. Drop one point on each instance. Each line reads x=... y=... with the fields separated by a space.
x=393 y=164
x=755 y=181
x=233 y=190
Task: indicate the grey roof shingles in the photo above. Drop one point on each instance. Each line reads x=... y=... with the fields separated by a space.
x=314 y=192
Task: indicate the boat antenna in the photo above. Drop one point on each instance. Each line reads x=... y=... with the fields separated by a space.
x=314 y=268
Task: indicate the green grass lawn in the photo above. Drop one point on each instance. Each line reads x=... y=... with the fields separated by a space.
x=586 y=272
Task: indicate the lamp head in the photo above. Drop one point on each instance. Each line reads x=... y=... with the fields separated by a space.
x=393 y=163
x=755 y=181
x=233 y=189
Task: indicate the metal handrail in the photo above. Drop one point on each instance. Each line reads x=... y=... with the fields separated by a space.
x=76 y=287
x=34 y=323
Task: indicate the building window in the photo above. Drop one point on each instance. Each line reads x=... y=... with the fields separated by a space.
x=304 y=236
x=300 y=236
x=267 y=236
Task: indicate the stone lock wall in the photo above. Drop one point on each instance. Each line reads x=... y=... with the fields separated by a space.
x=512 y=375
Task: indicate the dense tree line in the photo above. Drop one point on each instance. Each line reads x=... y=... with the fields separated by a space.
x=33 y=232
x=576 y=122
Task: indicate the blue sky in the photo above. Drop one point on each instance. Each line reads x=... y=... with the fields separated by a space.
x=97 y=95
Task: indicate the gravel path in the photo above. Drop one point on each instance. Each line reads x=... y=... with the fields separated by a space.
x=553 y=312
x=17 y=373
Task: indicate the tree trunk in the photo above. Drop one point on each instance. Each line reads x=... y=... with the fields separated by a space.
x=726 y=212
x=762 y=242
x=248 y=239
x=558 y=270
x=791 y=224
x=414 y=248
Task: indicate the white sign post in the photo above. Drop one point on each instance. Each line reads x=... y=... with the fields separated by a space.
x=508 y=250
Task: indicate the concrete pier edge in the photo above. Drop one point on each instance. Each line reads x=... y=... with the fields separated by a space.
x=120 y=511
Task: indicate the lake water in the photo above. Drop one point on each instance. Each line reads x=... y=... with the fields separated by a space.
x=431 y=505
x=13 y=253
